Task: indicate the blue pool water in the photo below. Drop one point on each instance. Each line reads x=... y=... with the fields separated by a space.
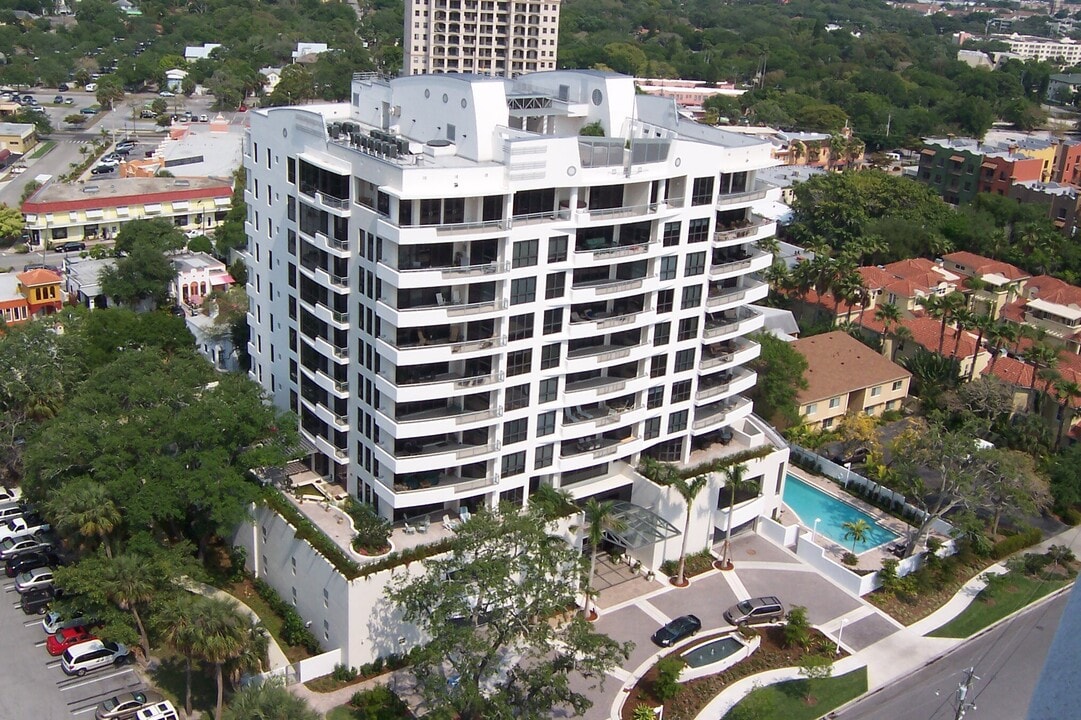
x=712 y=652
x=810 y=504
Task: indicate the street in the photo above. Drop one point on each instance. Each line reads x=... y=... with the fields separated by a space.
x=1007 y=661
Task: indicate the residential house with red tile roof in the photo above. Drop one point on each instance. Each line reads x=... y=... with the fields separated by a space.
x=29 y=294
x=997 y=283
x=926 y=332
x=1050 y=305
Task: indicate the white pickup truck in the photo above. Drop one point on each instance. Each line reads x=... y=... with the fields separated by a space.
x=21 y=526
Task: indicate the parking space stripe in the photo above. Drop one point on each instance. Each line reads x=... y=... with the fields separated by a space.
x=90 y=681
x=102 y=694
x=40 y=644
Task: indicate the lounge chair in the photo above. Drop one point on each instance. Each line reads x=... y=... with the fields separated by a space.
x=423 y=526
x=449 y=524
x=463 y=513
x=409 y=529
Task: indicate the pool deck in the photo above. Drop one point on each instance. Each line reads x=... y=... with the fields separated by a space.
x=869 y=559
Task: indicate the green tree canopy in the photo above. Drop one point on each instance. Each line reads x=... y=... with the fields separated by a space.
x=780 y=371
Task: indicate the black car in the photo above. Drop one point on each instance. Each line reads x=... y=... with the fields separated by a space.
x=680 y=628
x=22 y=563
x=35 y=601
x=70 y=246
x=63 y=87
x=102 y=169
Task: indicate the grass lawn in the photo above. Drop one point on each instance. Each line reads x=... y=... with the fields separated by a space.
x=788 y=699
x=1019 y=591
x=271 y=620
x=42 y=149
x=375 y=704
x=342 y=712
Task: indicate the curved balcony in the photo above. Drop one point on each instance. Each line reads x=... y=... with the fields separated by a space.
x=439 y=314
x=752 y=291
x=579 y=421
x=737 y=198
x=441 y=385
x=337 y=388
x=596 y=290
x=421 y=354
x=724 y=384
x=622 y=212
x=747 y=231
x=583 y=453
x=721 y=355
x=608 y=253
x=731 y=324
x=740 y=264
x=456 y=417
x=594 y=356
x=419 y=457
x=724 y=412
x=333 y=317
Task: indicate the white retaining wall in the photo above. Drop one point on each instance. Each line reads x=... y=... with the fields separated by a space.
x=783 y=535
x=318 y=666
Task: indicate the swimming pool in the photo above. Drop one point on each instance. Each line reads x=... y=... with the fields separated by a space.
x=810 y=503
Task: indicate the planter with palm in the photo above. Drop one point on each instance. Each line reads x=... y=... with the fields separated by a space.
x=599 y=517
x=734 y=482
x=688 y=489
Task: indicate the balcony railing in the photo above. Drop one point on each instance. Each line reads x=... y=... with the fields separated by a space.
x=756 y=222
x=547 y=215
x=725 y=325
x=476 y=226
x=729 y=198
x=622 y=211
x=723 y=298
x=737 y=264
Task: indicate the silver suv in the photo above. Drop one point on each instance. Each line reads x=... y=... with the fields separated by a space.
x=755 y=610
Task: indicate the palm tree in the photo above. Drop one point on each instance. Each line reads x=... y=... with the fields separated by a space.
x=900 y=334
x=254 y=658
x=1042 y=357
x=1001 y=335
x=176 y=623
x=688 y=490
x=1066 y=392
x=888 y=314
x=84 y=508
x=856 y=531
x=269 y=700
x=734 y=481
x=221 y=635
x=127 y=581
x=600 y=517
x=983 y=325
x=936 y=308
x=963 y=319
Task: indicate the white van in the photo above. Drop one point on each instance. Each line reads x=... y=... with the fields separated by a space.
x=91 y=87
x=93 y=655
x=12 y=510
x=158 y=711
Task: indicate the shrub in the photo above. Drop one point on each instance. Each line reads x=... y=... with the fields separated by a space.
x=373 y=531
x=666 y=686
x=379 y=702
x=797 y=632
x=643 y=712
x=293 y=630
x=1018 y=541
x=344 y=673
x=1071 y=516
x=850 y=559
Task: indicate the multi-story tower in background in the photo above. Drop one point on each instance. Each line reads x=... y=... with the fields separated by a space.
x=486 y=37
x=463 y=296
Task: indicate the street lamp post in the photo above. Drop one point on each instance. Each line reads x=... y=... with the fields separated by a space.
x=814 y=530
x=839 y=632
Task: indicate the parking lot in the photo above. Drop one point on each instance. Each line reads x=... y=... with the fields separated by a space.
x=32 y=684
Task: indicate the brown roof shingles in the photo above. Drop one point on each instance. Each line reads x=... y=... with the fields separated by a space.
x=838 y=364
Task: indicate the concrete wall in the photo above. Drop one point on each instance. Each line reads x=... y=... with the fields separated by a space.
x=318 y=666
x=783 y=535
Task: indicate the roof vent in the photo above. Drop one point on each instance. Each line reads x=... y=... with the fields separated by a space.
x=91 y=189
x=182 y=183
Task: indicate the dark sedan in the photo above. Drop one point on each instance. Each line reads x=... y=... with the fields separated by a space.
x=679 y=629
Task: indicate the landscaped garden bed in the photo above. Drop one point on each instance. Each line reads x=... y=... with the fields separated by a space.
x=1029 y=578
x=690 y=697
x=376 y=704
x=923 y=591
x=697 y=563
x=800 y=699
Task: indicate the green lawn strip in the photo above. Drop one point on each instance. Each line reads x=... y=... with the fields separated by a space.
x=168 y=677
x=270 y=619
x=342 y=712
x=1019 y=591
x=376 y=704
x=787 y=699
x=42 y=149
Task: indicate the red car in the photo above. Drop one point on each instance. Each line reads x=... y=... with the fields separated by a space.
x=63 y=639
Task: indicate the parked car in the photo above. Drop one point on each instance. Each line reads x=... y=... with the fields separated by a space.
x=13 y=509
x=91 y=87
x=56 y=621
x=63 y=87
x=124 y=707
x=110 y=159
x=680 y=628
x=160 y=711
x=69 y=101
x=147 y=113
x=19 y=546
x=204 y=118
x=36 y=601
x=755 y=610
x=38 y=577
x=22 y=526
x=19 y=564
x=166 y=94
x=92 y=110
x=126 y=144
x=10 y=494
x=858 y=455
x=59 y=99
x=102 y=169
x=61 y=640
x=70 y=246
x=93 y=655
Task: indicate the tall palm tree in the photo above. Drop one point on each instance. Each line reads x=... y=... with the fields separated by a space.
x=1002 y=334
x=1066 y=392
x=254 y=657
x=175 y=621
x=888 y=314
x=128 y=582
x=983 y=325
x=85 y=509
x=734 y=481
x=900 y=334
x=599 y=517
x=856 y=531
x=936 y=308
x=1042 y=357
x=688 y=490
x=963 y=320
x=221 y=635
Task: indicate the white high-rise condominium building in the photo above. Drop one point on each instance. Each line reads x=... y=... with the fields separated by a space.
x=487 y=37
x=462 y=296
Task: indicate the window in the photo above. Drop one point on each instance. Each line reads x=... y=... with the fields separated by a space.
x=702 y=191
x=812 y=408
x=696 y=264
x=827 y=423
x=557 y=249
x=525 y=253
x=519 y=361
x=835 y=402
x=550 y=355
x=688 y=328
x=554 y=285
x=684 y=360
x=698 y=230
x=514 y=431
x=681 y=391
x=655 y=397
x=670 y=235
x=549 y=390
x=668 y=267
x=517 y=397
x=523 y=290
x=692 y=297
x=661 y=333
x=513 y=464
x=546 y=423
x=664 y=300
x=543 y=456
x=553 y=321
x=897 y=385
x=658 y=365
x=521 y=327
x=876 y=391
x=677 y=421
x=653 y=428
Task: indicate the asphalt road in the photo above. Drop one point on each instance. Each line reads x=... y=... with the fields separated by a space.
x=32 y=685
x=1007 y=661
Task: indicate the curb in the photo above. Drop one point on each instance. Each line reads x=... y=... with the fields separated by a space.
x=960 y=643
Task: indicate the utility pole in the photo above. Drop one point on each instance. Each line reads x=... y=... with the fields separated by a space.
x=963 y=689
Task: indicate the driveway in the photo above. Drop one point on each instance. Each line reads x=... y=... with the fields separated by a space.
x=634 y=624
x=823 y=600
x=707 y=598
